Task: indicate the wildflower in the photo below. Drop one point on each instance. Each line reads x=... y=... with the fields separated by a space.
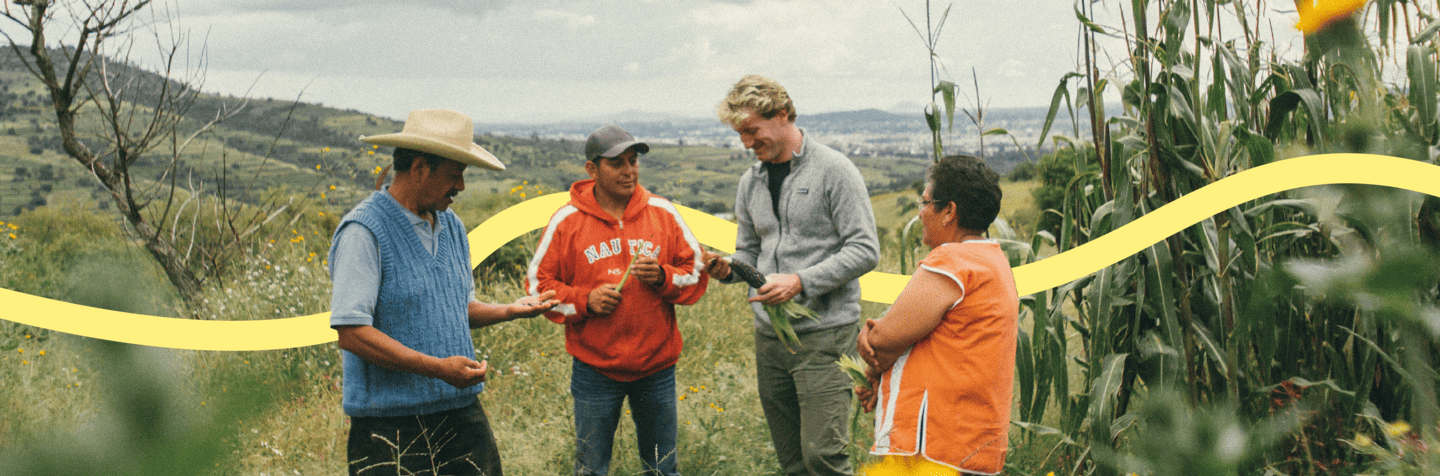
x=12 y=236
x=377 y=170
x=42 y=352
x=682 y=397
x=332 y=187
x=317 y=166
x=371 y=152
x=322 y=195
x=374 y=146
x=322 y=214
x=24 y=362
x=1393 y=429
x=1363 y=441
x=1315 y=16
x=13 y=227
x=327 y=149
x=20 y=350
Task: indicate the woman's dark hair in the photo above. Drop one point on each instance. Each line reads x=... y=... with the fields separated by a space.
x=971 y=185
x=405 y=158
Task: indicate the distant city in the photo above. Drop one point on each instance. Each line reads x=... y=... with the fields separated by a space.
x=866 y=133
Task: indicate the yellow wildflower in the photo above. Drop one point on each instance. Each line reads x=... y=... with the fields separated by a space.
x=317 y=166
x=42 y=352
x=1363 y=441
x=374 y=146
x=377 y=170
x=327 y=149
x=332 y=187
x=12 y=236
x=1314 y=17
x=371 y=152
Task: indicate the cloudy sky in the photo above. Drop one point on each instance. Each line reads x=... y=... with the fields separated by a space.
x=545 y=60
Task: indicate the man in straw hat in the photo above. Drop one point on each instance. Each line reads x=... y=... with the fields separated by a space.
x=403 y=303
x=620 y=259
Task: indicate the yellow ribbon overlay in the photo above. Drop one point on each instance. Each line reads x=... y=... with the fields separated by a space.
x=720 y=234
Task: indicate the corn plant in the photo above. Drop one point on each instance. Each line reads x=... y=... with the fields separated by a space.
x=1313 y=302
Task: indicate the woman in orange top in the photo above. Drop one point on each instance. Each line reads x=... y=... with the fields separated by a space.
x=942 y=360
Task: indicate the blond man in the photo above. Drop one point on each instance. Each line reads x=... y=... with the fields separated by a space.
x=805 y=220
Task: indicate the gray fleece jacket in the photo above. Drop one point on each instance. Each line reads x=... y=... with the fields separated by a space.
x=825 y=234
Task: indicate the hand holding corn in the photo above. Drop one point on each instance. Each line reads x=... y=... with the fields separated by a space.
x=784 y=311
x=716 y=266
x=648 y=270
x=603 y=299
x=778 y=289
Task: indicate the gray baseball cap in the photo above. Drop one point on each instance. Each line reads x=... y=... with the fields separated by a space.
x=610 y=141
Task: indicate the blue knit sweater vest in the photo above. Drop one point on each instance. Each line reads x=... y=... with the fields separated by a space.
x=422 y=304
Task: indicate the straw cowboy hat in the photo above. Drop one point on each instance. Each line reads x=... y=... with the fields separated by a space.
x=442 y=132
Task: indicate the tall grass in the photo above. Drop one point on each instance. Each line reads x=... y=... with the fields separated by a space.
x=302 y=429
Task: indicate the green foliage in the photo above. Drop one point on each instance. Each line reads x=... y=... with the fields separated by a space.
x=1318 y=301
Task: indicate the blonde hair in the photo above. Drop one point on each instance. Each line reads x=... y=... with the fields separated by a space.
x=758 y=93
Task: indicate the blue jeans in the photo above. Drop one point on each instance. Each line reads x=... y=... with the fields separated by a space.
x=597 y=412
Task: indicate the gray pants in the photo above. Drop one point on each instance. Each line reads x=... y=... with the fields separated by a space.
x=806 y=398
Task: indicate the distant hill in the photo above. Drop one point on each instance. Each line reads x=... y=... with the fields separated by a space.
x=308 y=148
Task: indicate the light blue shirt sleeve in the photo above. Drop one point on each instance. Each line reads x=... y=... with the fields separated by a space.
x=355 y=277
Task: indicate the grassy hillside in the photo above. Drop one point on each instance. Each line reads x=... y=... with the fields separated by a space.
x=308 y=148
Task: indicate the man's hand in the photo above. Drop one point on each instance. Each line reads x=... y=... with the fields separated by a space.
x=531 y=306
x=716 y=266
x=778 y=289
x=603 y=300
x=461 y=371
x=648 y=270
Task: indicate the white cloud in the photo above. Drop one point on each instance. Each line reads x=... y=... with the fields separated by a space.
x=571 y=20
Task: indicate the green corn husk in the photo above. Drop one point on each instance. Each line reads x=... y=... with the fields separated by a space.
x=625 y=276
x=782 y=319
x=855 y=369
x=782 y=316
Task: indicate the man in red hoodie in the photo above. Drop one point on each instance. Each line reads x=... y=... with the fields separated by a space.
x=619 y=259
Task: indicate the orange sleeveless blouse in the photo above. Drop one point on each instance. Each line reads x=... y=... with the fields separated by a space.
x=948 y=398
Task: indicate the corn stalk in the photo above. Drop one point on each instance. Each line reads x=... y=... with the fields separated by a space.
x=1303 y=303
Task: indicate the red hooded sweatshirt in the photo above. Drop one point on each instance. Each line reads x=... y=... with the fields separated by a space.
x=585 y=247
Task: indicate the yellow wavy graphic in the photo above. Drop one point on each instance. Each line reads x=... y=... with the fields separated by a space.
x=720 y=234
